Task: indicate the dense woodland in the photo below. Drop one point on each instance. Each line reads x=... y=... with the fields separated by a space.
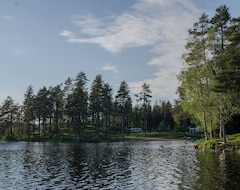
x=209 y=93
x=71 y=110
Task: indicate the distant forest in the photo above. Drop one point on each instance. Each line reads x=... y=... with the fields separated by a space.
x=69 y=110
x=209 y=92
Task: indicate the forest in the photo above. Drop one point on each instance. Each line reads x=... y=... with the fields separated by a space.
x=209 y=89
x=69 y=111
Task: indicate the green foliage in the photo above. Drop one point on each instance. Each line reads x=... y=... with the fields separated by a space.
x=123 y=104
x=96 y=101
x=218 y=145
x=163 y=128
x=144 y=97
x=209 y=83
x=235 y=138
x=207 y=145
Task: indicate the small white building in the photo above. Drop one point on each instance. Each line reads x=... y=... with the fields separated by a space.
x=136 y=130
x=193 y=130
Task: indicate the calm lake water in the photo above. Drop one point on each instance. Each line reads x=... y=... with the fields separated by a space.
x=117 y=165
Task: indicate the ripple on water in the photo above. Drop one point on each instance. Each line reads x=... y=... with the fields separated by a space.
x=123 y=165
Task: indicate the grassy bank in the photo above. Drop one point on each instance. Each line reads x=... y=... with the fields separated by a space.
x=165 y=136
x=102 y=137
x=233 y=144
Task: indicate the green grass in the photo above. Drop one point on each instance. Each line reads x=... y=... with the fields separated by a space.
x=207 y=145
x=233 y=143
x=235 y=138
x=165 y=135
x=177 y=135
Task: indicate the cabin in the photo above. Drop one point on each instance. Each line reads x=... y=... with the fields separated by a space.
x=193 y=130
x=136 y=130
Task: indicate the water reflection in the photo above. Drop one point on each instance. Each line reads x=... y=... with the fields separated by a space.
x=99 y=166
x=218 y=171
x=120 y=165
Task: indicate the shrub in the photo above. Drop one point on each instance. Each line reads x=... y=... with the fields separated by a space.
x=207 y=145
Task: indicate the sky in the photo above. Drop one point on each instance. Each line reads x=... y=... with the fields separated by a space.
x=43 y=42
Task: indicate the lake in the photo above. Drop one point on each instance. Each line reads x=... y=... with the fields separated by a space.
x=116 y=165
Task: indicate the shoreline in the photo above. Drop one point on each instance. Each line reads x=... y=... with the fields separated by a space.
x=121 y=139
x=153 y=139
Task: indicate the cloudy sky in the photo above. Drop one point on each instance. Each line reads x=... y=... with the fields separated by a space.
x=44 y=42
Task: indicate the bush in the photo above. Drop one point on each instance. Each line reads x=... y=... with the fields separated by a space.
x=207 y=145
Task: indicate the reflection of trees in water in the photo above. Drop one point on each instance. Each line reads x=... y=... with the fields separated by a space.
x=43 y=162
x=223 y=159
x=76 y=157
x=230 y=170
x=218 y=171
x=98 y=165
x=207 y=171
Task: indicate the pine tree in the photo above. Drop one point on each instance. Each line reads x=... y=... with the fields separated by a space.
x=107 y=104
x=144 y=97
x=57 y=103
x=220 y=23
x=9 y=109
x=96 y=101
x=28 y=107
x=195 y=78
x=123 y=103
x=78 y=102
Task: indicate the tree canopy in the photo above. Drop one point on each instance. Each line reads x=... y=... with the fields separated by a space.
x=209 y=83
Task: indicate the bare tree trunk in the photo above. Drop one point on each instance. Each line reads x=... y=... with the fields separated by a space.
x=145 y=122
x=50 y=126
x=205 y=125
x=123 y=126
x=220 y=126
x=211 y=131
x=39 y=125
x=224 y=134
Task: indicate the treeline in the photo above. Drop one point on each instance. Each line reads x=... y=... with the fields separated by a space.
x=72 y=111
x=209 y=94
x=209 y=87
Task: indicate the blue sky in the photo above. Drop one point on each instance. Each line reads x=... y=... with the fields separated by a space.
x=44 y=42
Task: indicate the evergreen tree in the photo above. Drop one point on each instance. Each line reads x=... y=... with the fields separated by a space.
x=182 y=119
x=57 y=103
x=9 y=110
x=144 y=97
x=96 y=101
x=156 y=117
x=107 y=105
x=228 y=78
x=223 y=102
x=137 y=116
x=28 y=107
x=166 y=117
x=123 y=104
x=78 y=102
x=68 y=108
x=41 y=108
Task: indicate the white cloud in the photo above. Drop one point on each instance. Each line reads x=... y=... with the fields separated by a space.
x=66 y=33
x=159 y=24
x=110 y=67
x=7 y=17
x=117 y=33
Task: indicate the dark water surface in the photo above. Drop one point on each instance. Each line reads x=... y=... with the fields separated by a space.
x=118 y=165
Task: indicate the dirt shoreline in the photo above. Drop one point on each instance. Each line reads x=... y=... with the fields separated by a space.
x=153 y=139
